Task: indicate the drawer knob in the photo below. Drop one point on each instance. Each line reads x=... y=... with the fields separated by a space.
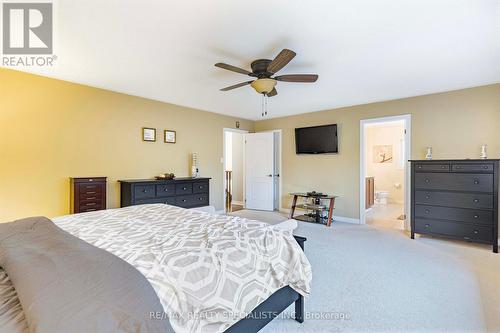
x=200 y=199
x=166 y=190
x=428 y=196
x=91 y=204
x=476 y=200
x=443 y=166
x=201 y=186
x=90 y=192
x=420 y=167
x=427 y=225
x=184 y=188
x=485 y=167
x=91 y=198
x=144 y=191
x=476 y=216
x=427 y=211
x=458 y=167
x=467 y=238
x=183 y=200
x=427 y=180
x=476 y=181
x=476 y=232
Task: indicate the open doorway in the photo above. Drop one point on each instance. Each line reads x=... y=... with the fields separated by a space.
x=251 y=170
x=385 y=145
x=234 y=172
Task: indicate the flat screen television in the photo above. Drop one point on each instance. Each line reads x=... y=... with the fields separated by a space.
x=316 y=140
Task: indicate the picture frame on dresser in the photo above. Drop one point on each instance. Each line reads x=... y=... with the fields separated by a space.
x=456 y=199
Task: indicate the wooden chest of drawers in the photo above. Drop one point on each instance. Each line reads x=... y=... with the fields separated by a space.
x=183 y=192
x=88 y=194
x=456 y=199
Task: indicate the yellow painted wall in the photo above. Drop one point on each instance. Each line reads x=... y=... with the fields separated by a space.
x=455 y=124
x=51 y=130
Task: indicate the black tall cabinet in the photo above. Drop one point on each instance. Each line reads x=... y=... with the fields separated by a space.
x=456 y=199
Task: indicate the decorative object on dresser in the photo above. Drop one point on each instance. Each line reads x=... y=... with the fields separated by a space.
x=456 y=199
x=88 y=194
x=484 y=154
x=313 y=203
x=195 y=171
x=428 y=155
x=185 y=192
x=165 y=176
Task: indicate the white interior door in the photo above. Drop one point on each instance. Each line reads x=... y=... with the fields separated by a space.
x=259 y=171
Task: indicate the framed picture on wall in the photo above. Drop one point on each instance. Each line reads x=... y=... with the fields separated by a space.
x=382 y=154
x=148 y=134
x=170 y=136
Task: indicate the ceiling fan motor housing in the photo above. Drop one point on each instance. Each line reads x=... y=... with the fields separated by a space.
x=264 y=70
x=259 y=68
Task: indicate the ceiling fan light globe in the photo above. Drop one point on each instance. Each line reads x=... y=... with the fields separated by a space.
x=263 y=86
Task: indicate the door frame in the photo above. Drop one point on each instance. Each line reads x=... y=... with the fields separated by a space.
x=406 y=118
x=234 y=130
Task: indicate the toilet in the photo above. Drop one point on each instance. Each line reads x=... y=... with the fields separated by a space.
x=381 y=197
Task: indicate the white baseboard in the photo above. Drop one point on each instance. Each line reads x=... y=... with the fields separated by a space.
x=335 y=217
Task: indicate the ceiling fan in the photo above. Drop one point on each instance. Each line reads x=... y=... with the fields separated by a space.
x=264 y=69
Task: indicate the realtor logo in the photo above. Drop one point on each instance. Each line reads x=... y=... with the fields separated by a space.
x=27 y=28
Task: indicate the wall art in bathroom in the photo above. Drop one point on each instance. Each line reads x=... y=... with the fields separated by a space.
x=382 y=154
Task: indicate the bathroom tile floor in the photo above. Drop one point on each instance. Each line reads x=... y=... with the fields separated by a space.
x=386 y=216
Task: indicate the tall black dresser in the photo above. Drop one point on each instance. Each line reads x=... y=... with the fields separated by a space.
x=456 y=199
x=183 y=192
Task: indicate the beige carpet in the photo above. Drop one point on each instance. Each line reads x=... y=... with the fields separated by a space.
x=372 y=279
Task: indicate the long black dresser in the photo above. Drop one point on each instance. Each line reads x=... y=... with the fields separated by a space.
x=456 y=199
x=183 y=192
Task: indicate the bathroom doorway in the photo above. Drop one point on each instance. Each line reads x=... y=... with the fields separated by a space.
x=385 y=145
x=234 y=169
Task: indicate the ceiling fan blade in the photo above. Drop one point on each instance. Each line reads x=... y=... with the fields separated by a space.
x=236 y=86
x=281 y=60
x=297 y=78
x=272 y=93
x=232 y=68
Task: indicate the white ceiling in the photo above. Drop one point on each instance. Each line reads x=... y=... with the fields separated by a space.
x=363 y=50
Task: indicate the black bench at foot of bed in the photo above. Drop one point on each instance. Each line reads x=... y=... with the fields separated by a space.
x=272 y=307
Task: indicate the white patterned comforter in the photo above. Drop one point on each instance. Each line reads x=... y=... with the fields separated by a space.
x=208 y=270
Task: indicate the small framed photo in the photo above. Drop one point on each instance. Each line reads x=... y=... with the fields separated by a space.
x=170 y=136
x=148 y=134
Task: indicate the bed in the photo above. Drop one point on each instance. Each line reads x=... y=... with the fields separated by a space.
x=211 y=273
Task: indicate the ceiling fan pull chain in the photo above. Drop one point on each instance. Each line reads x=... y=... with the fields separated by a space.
x=265 y=99
x=262 y=105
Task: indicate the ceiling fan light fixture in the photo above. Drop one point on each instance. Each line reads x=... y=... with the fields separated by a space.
x=263 y=86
